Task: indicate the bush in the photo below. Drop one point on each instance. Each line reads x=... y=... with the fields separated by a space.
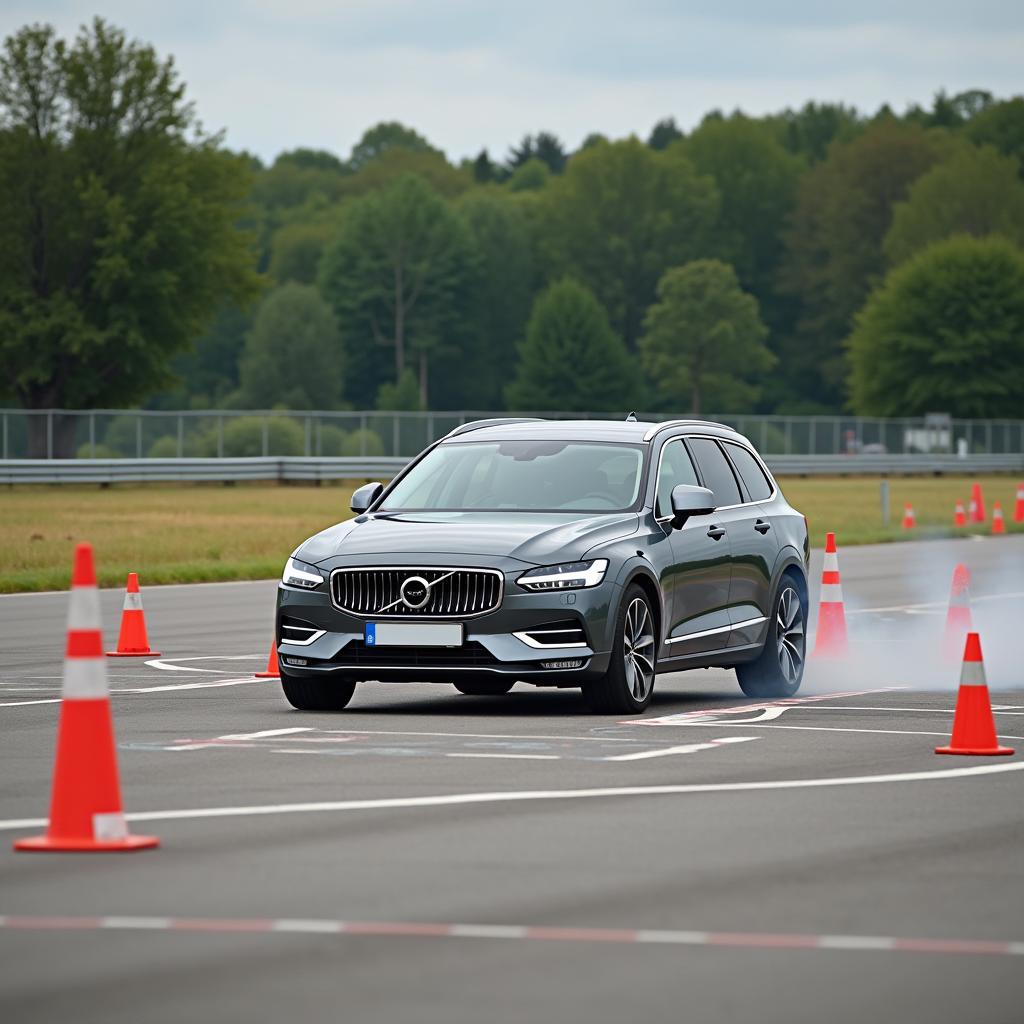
x=332 y=440
x=165 y=447
x=102 y=452
x=243 y=437
x=362 y=442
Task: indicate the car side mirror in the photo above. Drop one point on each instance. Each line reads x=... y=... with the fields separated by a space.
x=365 y=496
x=688 y=500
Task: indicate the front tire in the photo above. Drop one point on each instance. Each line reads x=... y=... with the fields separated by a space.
x=317 y=694
x=779 y=668
x=626 y=688
x=484 y=687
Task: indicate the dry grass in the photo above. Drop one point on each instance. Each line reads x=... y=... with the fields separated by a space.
x=191 y=533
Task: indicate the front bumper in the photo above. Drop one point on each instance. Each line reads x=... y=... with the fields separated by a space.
x=490 y=646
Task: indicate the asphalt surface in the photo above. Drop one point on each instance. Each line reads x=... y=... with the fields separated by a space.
x=710 y=899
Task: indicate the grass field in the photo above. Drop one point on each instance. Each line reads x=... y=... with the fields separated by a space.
x=183 y=534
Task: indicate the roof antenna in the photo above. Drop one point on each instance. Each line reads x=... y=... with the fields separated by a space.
x=631 y=418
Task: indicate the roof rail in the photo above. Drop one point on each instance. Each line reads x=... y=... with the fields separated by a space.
x=666 y=424
x=465 y=428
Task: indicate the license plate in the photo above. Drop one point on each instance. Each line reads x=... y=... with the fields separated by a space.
x=413 y=634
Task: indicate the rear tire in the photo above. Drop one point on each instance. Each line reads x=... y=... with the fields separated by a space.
x=484 y=687
x=317 y=694
x=626 y=688
x=779 y=668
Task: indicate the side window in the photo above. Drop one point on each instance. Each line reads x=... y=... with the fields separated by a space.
x=676 y=468
x=758 y=486
x=717 y=472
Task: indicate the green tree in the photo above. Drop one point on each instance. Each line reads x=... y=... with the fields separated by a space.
x=529 y=177
x=117 y=222
x=834 y=247
x=810 y=131
x=944 y=331
x=757 y=180
x=571 y=358
x=398 y=161
x=704 y=339
x=1001 y=125
x=401 y=397
x=484 y=168
x=383 y=137
x=293 y=355
x=297 y=248
x=664 y=133
x=398 y=276
x=976 y=192
x=619 y=216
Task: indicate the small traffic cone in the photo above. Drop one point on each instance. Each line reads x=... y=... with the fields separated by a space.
x=958 y=615
x=974 y=728
x=132 y=641
x=959 y=516
x=85 y=806
x=1018 y=511
x=998 y=523
x=908 y=517
x=831 y=641
x=977 y=503
x=272 y=669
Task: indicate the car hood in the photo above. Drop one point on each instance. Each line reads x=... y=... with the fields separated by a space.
x=540 y=538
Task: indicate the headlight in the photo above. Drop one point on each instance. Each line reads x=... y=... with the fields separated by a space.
x=301 y=574
x=568 y=576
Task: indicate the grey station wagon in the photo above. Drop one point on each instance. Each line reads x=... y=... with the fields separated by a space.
x=585 y=554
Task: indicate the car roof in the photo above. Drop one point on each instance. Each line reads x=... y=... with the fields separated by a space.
x=635 y=431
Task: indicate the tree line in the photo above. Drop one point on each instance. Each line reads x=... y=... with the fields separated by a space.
x=810 y=261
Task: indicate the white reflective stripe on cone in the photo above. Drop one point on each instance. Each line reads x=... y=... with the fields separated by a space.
x=831 y=563
x=132 y=602
x=973 y=674
x=85 y=679
x=84 y=608
x=831 y=593
x=109 y=826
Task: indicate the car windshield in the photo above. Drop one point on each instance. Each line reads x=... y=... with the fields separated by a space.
x=522 y=476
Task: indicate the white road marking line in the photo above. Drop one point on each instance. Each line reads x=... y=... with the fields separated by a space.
x=541 y=795
x=480 y=735
x=830 y=728
x=1001 y=708
x=975 y=598
x=22 y=703
x=689 y=748
x=213 y=684
x=266 y=732
x=513 y=757
x=171 y=664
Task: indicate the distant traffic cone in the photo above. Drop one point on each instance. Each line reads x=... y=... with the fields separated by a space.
x=831 y=641
x=998 y=523
x=958 y=615
x=132 y=641
x=908 y=517
x=1018 y=511
x=977 y=503
x=272 y=671
x=974 y=728
x=959 y=516
x=85 y=806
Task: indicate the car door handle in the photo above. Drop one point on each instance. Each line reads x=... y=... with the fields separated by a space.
x=716 y=532
x=762 y=527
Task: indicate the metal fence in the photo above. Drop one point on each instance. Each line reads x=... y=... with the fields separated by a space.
x=140 y=434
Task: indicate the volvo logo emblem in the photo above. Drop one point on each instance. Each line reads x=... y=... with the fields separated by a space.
x=415 y=591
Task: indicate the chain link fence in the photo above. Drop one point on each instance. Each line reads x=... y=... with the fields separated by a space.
x=135 y=433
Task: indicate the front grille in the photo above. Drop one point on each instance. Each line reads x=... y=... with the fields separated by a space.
x=451 y=592
x=470 y=655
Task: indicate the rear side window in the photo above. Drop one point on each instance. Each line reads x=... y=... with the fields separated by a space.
x=758 y=486
x=716 y=471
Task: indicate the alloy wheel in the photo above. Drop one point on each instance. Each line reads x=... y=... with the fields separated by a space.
x=638 y=649
x=789 y=634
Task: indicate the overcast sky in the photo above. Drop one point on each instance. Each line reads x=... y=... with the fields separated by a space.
x=276 y=74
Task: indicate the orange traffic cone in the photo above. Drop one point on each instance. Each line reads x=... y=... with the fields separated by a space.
x=974 y=728
x=958 y=616
x=132 y=641
x=908 y=517
x=830 y=641
x=998 y=523
x=85 y=807
x=1018 y=511
x=272 y=670
x=959 y=515
x=977 y=504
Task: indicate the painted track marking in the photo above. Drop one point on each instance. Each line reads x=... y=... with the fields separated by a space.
x=511 y=757
x=537 y=796
x=514 y=932
x=688 y=748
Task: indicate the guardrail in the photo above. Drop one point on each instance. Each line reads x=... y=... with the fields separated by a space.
x=299 y=468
